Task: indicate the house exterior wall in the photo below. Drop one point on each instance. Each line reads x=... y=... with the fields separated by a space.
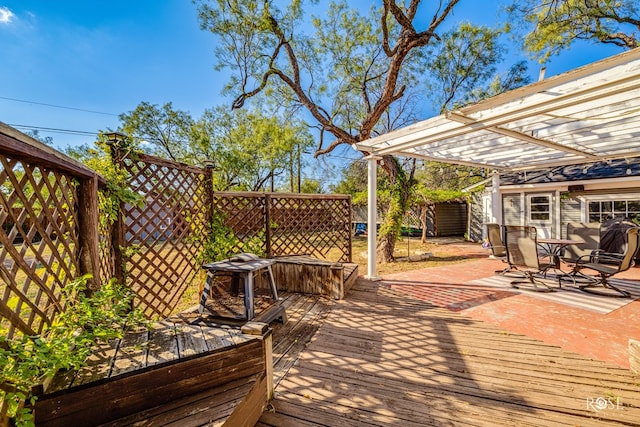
x=476 y=231
x=573 y=205
x=570 y=211
x=572 y=188
x=512 y=209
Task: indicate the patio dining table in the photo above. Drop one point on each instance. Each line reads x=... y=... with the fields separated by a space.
x=553 y=247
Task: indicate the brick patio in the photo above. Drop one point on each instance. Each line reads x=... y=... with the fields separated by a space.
x=599 y=336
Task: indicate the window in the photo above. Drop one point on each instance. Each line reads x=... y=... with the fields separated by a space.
x=602 y=210
x=540 y=208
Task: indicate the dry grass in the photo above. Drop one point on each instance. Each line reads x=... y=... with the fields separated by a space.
x=408 y=254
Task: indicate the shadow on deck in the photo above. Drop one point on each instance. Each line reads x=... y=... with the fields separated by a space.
x=383 y=358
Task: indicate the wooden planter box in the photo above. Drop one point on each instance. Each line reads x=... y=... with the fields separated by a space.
x=309 y=275
x=230 y=385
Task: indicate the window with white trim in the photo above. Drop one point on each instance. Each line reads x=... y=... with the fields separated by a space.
x=602 y=210
x=540 y=208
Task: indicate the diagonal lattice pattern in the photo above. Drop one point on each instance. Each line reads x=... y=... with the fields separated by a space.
x=39 y=244
x=163 y=235
x=313 y=226
x=318 y=225
x=244 y=214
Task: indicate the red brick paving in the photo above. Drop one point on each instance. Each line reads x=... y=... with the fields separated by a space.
x=603 y=337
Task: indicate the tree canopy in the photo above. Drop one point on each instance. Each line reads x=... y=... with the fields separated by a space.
x=356 y=73
x=554 y=25
x=249 y=150
x=345 y=68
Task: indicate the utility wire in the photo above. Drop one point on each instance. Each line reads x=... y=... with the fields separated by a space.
x=55 y=130
x=58 y=106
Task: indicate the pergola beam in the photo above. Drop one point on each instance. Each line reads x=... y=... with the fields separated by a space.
x=524 y=111
x=461 y=118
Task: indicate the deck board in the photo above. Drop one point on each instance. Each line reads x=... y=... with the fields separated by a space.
x=382 y=358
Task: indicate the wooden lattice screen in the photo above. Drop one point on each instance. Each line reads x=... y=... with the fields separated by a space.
x=106 y=253
x=317 y=225
x=51 y=233
x=165 y=235
x=46 y=211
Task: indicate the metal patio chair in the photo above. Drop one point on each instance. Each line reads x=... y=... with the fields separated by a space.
x=606 y=265
x=522 y=252
x=589 y=233
x=498 y=250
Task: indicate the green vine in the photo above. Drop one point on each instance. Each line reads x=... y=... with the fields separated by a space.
x=221 y=242
x=65 y=344
x=398 y=203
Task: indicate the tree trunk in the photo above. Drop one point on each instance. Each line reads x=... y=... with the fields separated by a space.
x=424 y=209
x=400 y=191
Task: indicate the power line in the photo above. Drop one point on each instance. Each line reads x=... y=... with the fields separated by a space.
x=58 y=106
x=56 y=130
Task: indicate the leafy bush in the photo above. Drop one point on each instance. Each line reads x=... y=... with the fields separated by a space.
x=221 y=242
x=65 y=344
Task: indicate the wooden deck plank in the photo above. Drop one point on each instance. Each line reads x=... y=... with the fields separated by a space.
x=162 y=346
x=191 y=340
x=132 y=353
x=217 y=338
x=412 y=404
x=462 y=391
x=383 y=358
x=288 y=347
x=98 y=367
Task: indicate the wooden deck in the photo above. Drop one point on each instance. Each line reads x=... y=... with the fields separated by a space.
x=382 y=358
x=189 y=374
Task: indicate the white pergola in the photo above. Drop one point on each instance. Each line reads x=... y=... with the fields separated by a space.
x=585 y=115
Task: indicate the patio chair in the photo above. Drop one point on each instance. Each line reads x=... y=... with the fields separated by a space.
x=498 y=250
x=607 y=265
x=589 y=233
x=522 y=252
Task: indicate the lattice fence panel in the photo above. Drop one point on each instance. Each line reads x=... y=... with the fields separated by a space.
x=316 y=225
x=244 y=214
x=105 y=247
x=319 y=226
x=39 y=244
x=164 y=237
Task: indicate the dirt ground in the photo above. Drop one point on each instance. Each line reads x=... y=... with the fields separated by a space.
x=411 y=254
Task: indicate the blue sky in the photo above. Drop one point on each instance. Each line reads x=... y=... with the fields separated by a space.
x=108 y=56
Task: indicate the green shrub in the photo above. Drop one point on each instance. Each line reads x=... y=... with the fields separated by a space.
x=65 y=344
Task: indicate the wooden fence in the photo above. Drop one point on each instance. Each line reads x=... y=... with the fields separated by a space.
x=51 y=232
x=49 y=236
x=289 y=224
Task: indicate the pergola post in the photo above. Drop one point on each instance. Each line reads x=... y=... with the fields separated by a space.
x=372 y=232
x=496 y=199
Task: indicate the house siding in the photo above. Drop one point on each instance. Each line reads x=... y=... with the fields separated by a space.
x=570 y=211
x=476 y=218
x=572 y=206
x=512 y=209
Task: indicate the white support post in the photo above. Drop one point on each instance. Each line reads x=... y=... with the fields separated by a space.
x=496 y=199
x=372 y=218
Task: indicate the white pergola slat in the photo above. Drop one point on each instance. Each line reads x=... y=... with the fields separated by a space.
x=585 y=115
x=588 y=114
